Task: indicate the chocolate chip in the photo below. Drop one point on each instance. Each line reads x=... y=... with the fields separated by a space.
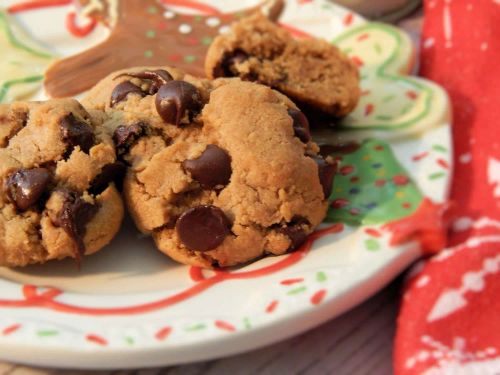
x=226 y=68
x=158 y=77
x=326 y=171
x=74 y=216
x=121 y=91
x=295 y=231
x=125 y=136
x=75 y=132
x=202 y=228
x=178 y=102
x=26 y=186
x=212 y=169
x=300 y=125
x=113 y=172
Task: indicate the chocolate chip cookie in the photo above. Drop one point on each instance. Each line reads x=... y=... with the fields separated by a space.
x=57 y=196
x=312 y=72
x=219 y=172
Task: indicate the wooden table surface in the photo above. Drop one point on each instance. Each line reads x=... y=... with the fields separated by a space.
x=359 y=342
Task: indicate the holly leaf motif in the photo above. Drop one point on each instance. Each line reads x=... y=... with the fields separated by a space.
x=371 y=187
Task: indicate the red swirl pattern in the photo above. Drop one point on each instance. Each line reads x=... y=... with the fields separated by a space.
x=47 y=298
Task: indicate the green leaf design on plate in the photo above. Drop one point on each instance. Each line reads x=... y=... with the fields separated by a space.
x=372 y=244
x=23 y=61
x=371 y=187
x=321 y=276
x=298 y=290
x=47 y=333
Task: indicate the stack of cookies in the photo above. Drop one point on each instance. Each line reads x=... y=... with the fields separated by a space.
x=218 y=171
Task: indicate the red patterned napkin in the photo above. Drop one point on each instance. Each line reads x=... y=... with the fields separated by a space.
x=449 y=321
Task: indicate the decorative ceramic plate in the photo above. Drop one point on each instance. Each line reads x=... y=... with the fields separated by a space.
x=130 y=306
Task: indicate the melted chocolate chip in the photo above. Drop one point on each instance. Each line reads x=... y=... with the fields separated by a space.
x=75 y=132
x=226 y=68
x=341 y=148
x=121 y=91
x=113 y=172
x=295 y=231
x=74 y=216
x=212 y=169
x=326 y=171
x=26 y=186
x=178 y=102
x=157 y=77
x=125 y=136
x=202 y=228
x=300 y=125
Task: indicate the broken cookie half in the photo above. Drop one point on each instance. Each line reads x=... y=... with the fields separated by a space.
x=315 y=74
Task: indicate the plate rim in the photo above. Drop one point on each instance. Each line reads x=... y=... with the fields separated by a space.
x=297 y=322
